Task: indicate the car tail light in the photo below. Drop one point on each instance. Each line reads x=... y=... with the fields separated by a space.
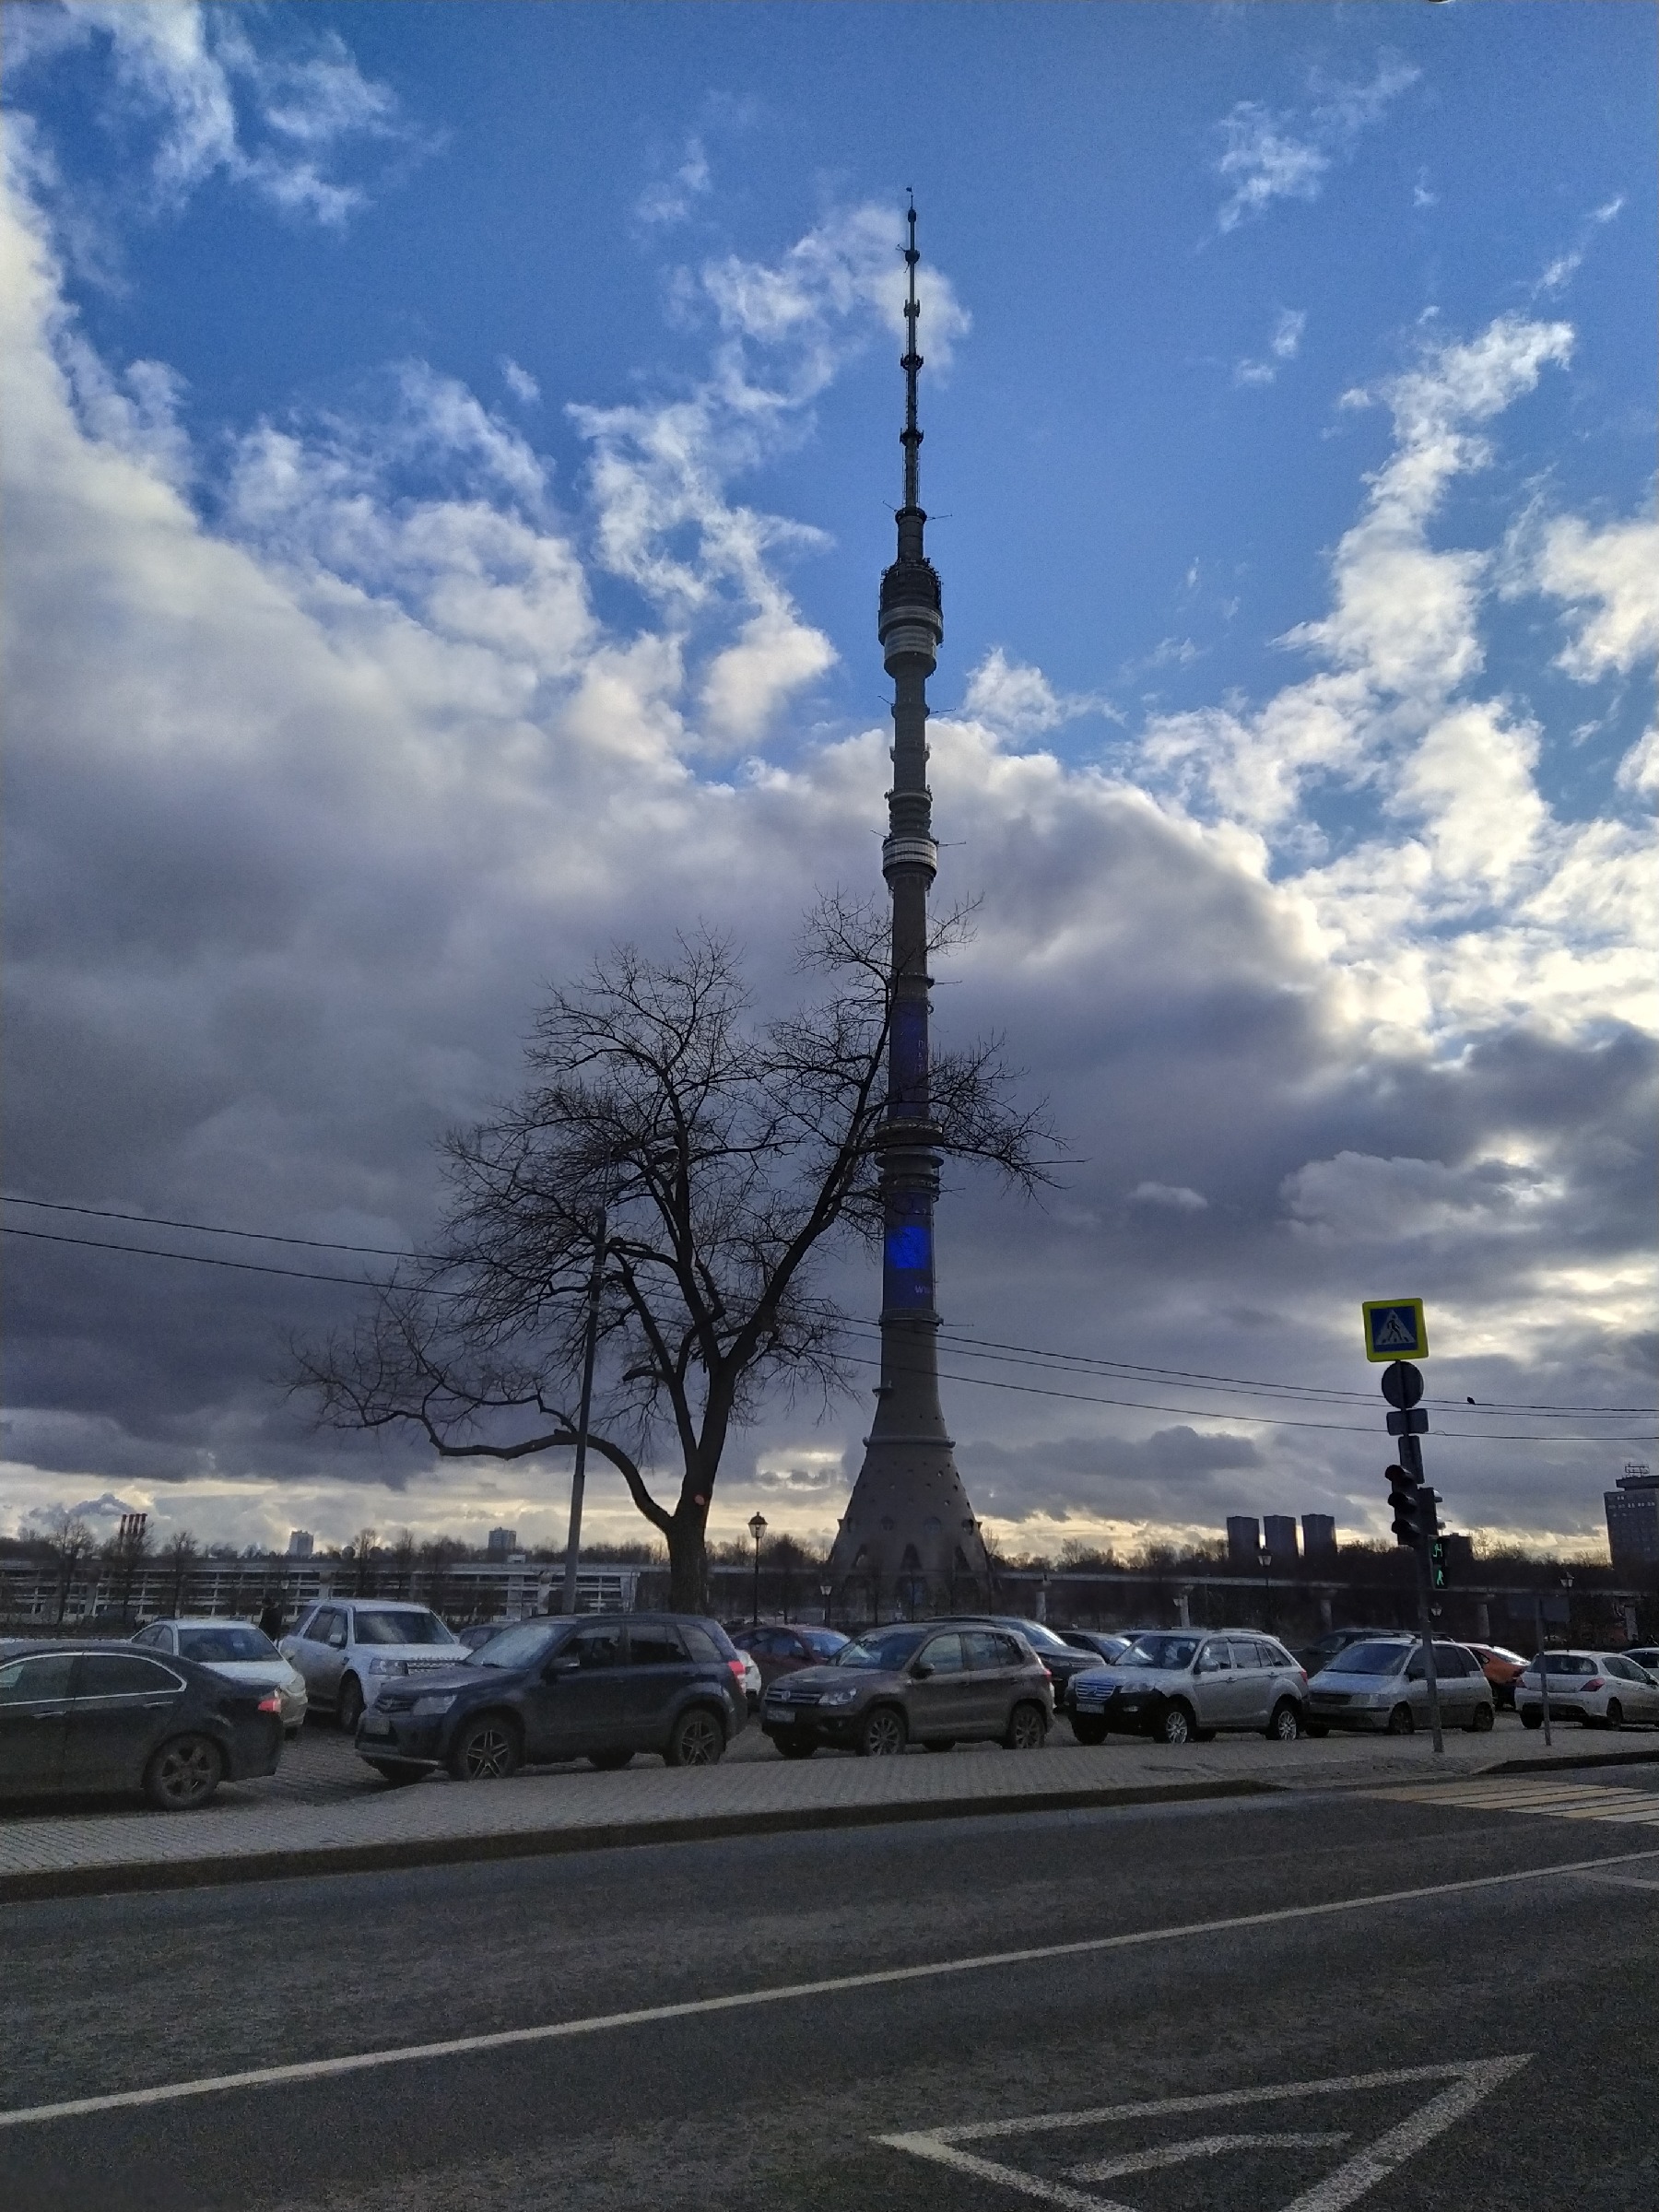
x=1595 y=1682
x=271 y=1703
x=737 y=1668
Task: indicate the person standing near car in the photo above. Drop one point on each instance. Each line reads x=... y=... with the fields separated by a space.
x=270 y=1617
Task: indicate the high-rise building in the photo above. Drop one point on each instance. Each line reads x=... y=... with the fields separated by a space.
x=1633 y=1521
x=1243 y=1543
x=1279 y=1534
x=301 y=1543
x=502 y=1542
x=1319 y=1539
x=909 y=1541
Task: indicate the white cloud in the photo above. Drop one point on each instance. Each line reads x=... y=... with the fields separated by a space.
x=1175 y=1198
x=1609 y=579
x=1270 y=157
x=1018 y=700
x=1282 y=347
x=519 y=381
x=223 y=107
x=671 y=200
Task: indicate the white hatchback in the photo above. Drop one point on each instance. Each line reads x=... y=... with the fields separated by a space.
x=237 y=1650
x=349 y=1647
x=1603 y=1690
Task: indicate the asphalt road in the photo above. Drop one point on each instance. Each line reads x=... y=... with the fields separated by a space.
x=767 y=2103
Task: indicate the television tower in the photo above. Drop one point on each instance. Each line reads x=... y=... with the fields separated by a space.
x=908 y=1542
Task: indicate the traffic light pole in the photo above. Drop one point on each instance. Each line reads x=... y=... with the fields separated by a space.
x=1416 y=1522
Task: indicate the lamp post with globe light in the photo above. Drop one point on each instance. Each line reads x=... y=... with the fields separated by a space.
x=756 y=1529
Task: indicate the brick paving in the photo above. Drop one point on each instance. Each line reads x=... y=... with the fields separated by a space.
x=325 y=1806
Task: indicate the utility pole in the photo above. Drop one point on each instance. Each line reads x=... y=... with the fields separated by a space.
x=579 y=1473
x=756 y=1529
x=1415 y=1521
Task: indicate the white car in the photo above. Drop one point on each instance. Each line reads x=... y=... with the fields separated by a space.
x=1382 y=1684
x=348 y=1647
x=751 y=1680
x=235 y=1649
x=1603 y=1690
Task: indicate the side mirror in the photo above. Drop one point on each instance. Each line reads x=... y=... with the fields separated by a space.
x=921 y=1670
x=562 y=1667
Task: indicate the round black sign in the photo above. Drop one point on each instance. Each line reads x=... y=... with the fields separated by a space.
x=1401 y=1384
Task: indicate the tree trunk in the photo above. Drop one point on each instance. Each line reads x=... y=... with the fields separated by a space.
x=688 y=1560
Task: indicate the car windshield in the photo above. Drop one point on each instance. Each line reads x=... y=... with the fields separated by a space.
x=413 y=1627
x=887 y=1648
x=513 y=1647
x=823 y=1643
x=233 y=1641
x=1372 y=1659
x=1038 y=1638
x=1167 y=1651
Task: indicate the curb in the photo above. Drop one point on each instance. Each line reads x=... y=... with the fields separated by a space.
x=1557 y=1759
x=549 y=1843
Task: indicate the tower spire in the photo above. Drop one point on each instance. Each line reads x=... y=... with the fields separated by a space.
x=908 y=1542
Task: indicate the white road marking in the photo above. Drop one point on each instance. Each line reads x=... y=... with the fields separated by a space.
x=1200 y=2147
x=1560 y=1801
x=1468 y=2081
x=507 y=2039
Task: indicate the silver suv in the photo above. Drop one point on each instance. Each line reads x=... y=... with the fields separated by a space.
x=1382 y=1684
x=1184 y=1684
x=347 y=1647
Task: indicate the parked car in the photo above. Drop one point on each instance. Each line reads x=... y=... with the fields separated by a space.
x=937 y=1682
x=600 y=1688
x=1105 y=1646
x=751 y=1681
x=1646 y=1657
x=1326 y=1650
x=236 y=1649
x=478 y=1632
x=1186 y=1684
x=1382 y=1684
x=1502 y=1670
x=1063 y=1659
x=1603 y=1690
x=784 y=1650
x=76 y=1719
x=347 y=1647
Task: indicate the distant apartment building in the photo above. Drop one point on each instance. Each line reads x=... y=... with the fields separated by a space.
x=1278 y=1534
x=301 y=1543
x=1633 y=1523
x=502 y=1543
x=1319 y=1539
x=1243 y=1543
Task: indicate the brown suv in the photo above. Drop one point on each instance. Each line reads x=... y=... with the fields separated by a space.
x=936 y=1682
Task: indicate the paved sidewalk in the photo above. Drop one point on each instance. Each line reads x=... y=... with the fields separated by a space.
x=325 y=1813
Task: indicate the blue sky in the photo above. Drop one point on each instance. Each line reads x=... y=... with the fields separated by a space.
x=461 y=446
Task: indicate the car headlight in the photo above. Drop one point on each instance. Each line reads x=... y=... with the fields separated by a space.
x=388 y=1666
x=439 y=1702
x=839 y=1697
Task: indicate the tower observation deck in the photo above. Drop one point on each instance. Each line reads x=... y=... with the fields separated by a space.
x=908 y=1542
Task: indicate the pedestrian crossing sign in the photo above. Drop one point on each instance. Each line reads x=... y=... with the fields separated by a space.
x=1394 y=1329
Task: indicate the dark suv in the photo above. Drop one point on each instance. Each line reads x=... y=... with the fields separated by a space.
x=936 y=1682
x=600 y=1688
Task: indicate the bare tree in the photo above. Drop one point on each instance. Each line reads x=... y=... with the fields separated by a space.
x=127 y=1552
x=725 y=1158
x=361 y=1549
x=178 y=1555
x=72 y=1543
x=403 y=1562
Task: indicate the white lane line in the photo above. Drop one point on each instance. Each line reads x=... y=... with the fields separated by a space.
x=1202 y=2146
x=507 y=2039
x=1470 y=2081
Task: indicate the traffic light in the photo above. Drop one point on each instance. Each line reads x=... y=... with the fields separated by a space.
x=1437 y=1563
x=1405 y=1496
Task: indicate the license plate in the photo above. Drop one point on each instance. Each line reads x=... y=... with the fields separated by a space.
x=374 y=1726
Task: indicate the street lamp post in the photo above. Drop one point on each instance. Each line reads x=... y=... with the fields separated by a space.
x=579 y=1474
x=826 y=1590
x=756 y=1528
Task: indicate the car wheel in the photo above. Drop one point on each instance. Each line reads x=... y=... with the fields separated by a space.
x=1531 y=1717
x=1090 y=1731
x=184 y=1773
x=1615 y=1713
x=1027 y=1727
x=398 y=1776
x=1174 y=1726
x=1285 y=1724
x=696 y=1739
x=798 y=1746
x=1481 y=1719
x=608 y=1762
x=349 y=1711
x=485 y=1751
x=942 y=1743
x=883 y=1735
x=1402 y=1722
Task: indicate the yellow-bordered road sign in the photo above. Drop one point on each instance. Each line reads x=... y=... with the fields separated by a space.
x=1394 y=1329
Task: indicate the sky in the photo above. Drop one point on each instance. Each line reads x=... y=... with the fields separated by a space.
x=449 y=461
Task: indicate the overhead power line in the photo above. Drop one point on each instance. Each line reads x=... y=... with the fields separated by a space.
x=986 y=1349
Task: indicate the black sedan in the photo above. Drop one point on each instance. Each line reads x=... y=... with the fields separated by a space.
x=1062 y=1659
x=600 y=1688
x=82 y=1718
